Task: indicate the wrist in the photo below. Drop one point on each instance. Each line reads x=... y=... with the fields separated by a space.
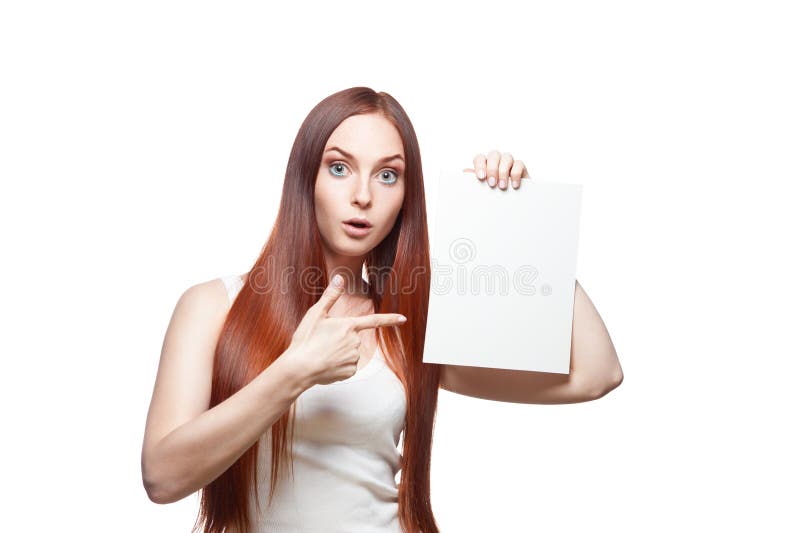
x=298 y=377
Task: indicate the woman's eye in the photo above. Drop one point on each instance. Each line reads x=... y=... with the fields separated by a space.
x=336 y=165
x=391 y=173
x=338 y=169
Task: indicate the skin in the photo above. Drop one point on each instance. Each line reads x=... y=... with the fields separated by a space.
x=595 y=369
x=363 y=186
x=357 y=183
x=187 y=445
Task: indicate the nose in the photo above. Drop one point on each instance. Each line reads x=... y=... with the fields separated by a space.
x=362 y=196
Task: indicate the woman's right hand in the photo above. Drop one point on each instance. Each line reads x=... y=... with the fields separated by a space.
x=325 y=349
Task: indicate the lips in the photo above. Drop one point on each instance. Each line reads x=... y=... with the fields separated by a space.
x=358 y=222
x=356 y=227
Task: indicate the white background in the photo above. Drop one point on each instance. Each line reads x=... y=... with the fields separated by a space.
x=143 y=147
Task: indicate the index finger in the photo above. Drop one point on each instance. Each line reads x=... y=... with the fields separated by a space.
x=377 y=320
x=332 y=293
x=479 y=161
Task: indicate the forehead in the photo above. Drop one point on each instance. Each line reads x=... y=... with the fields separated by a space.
x=367 y=137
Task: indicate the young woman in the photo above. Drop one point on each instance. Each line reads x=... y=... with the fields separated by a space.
x=282 y=394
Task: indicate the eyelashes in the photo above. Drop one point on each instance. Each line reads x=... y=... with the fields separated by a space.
x=340 y=164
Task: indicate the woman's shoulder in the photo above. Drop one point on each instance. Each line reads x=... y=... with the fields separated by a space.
x=233 y=279
x=233 y=284
x=207 y=298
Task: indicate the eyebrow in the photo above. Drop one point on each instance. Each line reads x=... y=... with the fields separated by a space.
x=383 y=160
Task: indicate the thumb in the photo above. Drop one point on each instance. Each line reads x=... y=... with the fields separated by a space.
x=332 y=293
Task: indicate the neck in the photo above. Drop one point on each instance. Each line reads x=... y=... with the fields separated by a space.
x=350 y=268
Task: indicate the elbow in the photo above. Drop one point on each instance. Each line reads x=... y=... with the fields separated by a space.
x=158 y=491
x=597 y=388
x=154 y=494
x=155 y=490
x=614 y=381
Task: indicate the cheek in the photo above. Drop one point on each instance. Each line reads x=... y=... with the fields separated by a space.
x=395 y=204
x=324 y=197
x=398 y=201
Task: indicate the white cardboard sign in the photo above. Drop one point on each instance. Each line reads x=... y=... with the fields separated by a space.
x=503 y=274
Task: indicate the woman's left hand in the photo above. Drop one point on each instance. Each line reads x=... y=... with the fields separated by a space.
x=498 y=168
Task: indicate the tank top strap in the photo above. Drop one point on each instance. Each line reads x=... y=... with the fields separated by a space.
x=233 y=284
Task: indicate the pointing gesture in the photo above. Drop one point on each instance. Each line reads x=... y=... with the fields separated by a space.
x=325 y=349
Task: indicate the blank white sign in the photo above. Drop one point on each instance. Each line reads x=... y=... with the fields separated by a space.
x=503 y=274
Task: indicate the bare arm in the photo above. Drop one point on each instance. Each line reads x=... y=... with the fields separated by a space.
x=594 y=358
x=187 y=445
x=594 y=368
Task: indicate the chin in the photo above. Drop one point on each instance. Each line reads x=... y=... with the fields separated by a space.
x=354 y=250
x=343 y=247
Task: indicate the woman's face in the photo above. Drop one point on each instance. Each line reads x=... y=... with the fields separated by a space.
x=362 y=175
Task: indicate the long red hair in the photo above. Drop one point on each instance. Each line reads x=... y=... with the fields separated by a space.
x=262 y=320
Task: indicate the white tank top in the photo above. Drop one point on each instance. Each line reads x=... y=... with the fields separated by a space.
x=345 y=453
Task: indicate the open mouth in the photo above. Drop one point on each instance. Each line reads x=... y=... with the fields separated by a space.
x=358 y=222
x=356 y=228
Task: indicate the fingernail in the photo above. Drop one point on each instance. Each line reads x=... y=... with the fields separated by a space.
x=502 y=184
x=337 y=280
x=492 y=181
x=402 y=318
x=481 y=173
x=515 y=184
